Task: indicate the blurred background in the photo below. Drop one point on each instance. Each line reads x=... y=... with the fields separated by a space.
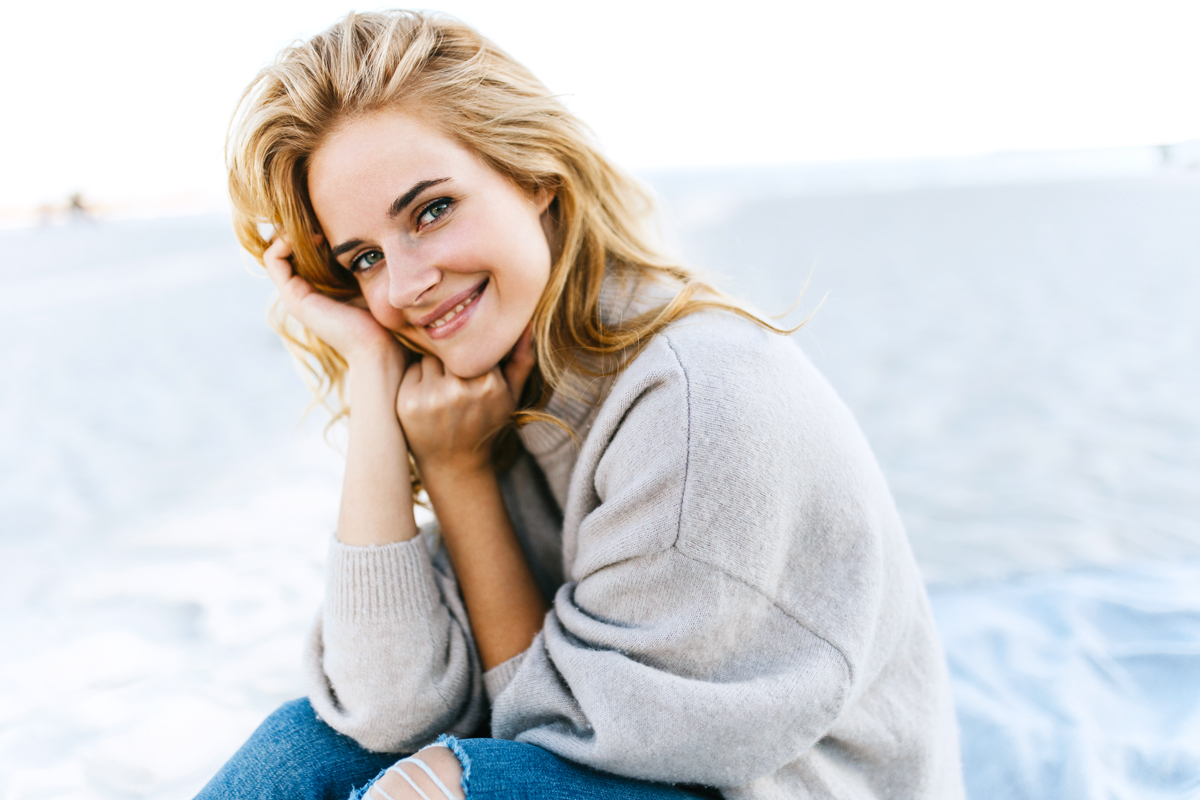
x=995 y=207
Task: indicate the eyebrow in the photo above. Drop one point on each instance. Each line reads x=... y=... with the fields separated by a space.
x=401 y=202
x=345 y=247
x=394 y=210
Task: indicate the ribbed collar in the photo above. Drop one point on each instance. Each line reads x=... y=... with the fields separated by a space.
x=577 y=402
x=544 y=438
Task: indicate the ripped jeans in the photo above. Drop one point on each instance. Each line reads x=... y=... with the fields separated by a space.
x=295 y=756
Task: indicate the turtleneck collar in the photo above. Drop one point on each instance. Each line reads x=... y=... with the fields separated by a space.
x=577 y=402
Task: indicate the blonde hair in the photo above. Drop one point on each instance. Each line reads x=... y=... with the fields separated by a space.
x=478 y=95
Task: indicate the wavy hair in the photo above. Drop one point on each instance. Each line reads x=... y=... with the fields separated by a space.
x=479 y=96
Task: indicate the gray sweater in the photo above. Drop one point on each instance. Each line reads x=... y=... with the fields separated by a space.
x=734 y=599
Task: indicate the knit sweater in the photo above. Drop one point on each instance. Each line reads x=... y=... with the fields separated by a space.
x=735 y=602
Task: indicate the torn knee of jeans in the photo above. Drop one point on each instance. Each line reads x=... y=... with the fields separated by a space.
x=361 y=792
x=465 y=760
x=425 y=781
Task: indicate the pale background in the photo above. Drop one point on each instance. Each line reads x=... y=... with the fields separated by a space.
x=127 y=102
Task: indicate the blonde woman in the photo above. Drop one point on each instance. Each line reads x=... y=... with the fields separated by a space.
x=665 y=565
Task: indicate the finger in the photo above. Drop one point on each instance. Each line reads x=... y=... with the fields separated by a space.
x=412 y=375
x=293 y=289
x=431 y=367
x=275 y=260
x=408 y=389
x=520 y=363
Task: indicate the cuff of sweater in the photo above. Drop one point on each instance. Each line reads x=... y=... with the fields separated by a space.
x=499 y=676
x=380 y=581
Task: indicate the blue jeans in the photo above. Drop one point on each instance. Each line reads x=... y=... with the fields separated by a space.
x=295 y=756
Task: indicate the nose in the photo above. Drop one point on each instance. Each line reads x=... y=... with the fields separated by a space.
x=409 y=278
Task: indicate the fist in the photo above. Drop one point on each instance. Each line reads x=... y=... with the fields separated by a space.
x=450 y=423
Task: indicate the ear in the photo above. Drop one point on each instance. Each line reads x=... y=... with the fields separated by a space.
x=543 y=199
x=542 y=202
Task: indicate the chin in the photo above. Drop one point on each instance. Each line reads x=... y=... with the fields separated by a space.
x=472 y=359
x=468 y=368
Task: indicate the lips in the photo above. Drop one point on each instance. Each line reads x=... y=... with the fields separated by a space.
x=453 y=313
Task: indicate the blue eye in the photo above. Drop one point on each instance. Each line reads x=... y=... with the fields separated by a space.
x=434 y=210
x=366 y=261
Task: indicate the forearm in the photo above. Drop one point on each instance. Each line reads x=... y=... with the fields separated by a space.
x=376 y=493
x=502 y=599
x=391 y=661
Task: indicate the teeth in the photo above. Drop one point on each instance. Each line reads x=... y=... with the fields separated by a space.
x=452 y=313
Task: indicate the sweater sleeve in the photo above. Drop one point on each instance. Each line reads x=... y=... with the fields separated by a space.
x=391 y=661
x=715 y=533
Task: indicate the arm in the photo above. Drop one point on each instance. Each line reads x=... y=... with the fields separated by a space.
x=728 y=536
x=502 y=599
x=376 y=503
x=451 y=424
x=390 y=661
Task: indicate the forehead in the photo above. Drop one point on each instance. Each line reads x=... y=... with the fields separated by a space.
x=368 y=159
x=395 y=135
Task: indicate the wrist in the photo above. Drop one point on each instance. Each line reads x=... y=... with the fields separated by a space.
x=382 y=357
x=381 y=368
x=462 y=477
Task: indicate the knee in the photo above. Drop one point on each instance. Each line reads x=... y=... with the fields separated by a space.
x=290 y=733
x=434 y=773
x=298 y=747
x=294 y=755
x=292 y=716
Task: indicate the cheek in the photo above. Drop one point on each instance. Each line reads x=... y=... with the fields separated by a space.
x=530 y=269
x=376 y=301
x=537 y=276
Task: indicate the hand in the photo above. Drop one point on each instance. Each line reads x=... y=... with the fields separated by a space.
x=449 y=422
x=349 y=329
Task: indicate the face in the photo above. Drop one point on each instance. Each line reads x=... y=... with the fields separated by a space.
x=447 y=251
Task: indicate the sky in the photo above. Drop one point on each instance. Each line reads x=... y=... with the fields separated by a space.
x=128 y=101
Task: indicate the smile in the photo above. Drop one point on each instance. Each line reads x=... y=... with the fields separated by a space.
x=452 y=313
x=455 y=316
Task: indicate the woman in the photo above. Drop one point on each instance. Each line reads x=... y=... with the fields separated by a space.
x=683 y=571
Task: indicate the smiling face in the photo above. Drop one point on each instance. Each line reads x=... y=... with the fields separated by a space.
x=447 y=251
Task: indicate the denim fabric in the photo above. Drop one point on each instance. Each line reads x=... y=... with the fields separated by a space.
x=499 y=769
x=295 y=756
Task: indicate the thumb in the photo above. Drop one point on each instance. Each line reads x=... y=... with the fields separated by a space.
x=520 y=363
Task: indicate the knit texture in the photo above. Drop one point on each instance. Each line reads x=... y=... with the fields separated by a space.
x=734 y=599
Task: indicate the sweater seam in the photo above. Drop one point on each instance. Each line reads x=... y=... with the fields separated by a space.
x=687 y=449
x=850 y=672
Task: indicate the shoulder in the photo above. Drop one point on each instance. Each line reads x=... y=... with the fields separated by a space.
x=739 y=419
x=723 y=347
x=715 y=343
x=719 y=366
x=732 y=406
x=722 y=442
